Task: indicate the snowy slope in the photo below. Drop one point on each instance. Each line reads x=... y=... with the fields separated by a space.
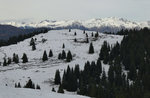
x=7 y=92
x=42 y=73
x=106 y=24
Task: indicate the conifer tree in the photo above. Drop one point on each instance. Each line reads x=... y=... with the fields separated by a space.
x=19 y=85
x=87 y=40
x=31 y=42
x=75 y=33
x=9 y=61
x=45 y=58
x=63 y=55
x=50 y=53
x=91 y=49
x=86 y=35
x=75 y=40
x=59 y=56
x=83 y=31
x=38 y=87
x=4 y=63
x=69 y=30
x=33 y=46
x=92 y=34
x=24 y=58
x=69 y=56
x=57 y=79
x=63 y=46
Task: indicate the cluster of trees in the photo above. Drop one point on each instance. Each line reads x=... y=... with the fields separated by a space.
x=64 y=56
x=29 y=84
x=15 y=39
x=132 y=55
x=45 y=57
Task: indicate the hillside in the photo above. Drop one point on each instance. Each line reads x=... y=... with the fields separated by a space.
x=42 y=73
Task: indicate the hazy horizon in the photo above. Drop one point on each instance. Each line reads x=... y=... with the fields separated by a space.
x=28 y=10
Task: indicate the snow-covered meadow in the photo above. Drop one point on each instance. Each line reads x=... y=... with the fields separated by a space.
x=42 y=73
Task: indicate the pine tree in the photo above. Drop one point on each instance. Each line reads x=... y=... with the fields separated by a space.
x=15 y=58
x=86 y=35
x=33 y=46
x=63 y=46
x=83 y=31
x=24 y=58
x=57 y=79
x=97 y=34
x=87 y=40
x=63 y=55
x=92 y=34
x=91 y=49
x=60 y=89
x=31 y=42
x=69 y=30
x=38 y=87
x=19 y=85
x=4 y=63
x=50 y=53
x=9 y=61
x=29 y=84
x=69 y=56
x=45 y=58
x=75 y=33
x=75 y=40
x=59 y=56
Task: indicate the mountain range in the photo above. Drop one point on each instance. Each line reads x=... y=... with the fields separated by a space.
x=111 y=24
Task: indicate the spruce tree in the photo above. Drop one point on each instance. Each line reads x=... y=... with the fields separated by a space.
x=50 y=53
x=57 y=79
x=75 y=40
x=33 y=46
x=38 y=87
x=63 y=55
x=91 y=49
x=69 y=30
x=9 y=61
x=5 y=62
x=87 y=40
x=69 y=56
x=24 y=58
x=63 y=46
x=75 y=33
x=59 y=56
x=92 y=34
x=45 y=58
x=31 y=42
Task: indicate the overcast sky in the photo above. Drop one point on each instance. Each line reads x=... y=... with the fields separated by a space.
x=134 y=10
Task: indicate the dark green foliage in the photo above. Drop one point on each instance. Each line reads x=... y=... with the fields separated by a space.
x=92 y=34
x=5 y=62
x=83 y=31
x=63 y=46
x=75 y=40
x=97 y=34
x=75 y=33
x=69 y=30
x=86 y=35
x=33 y=46
x=38 y=87
x=15 y=58
x=104 y=52
x=24 y=58
x=63 y=56
x=15 y=39
x=9 y=61
x=59 y=56
x=91 y=49
x=45 y=58
x=69 y=56
x=57 y=79
x=87 y=40
x=30 y=84
x=60 y=89
x=50 y=53
x=32 y=42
